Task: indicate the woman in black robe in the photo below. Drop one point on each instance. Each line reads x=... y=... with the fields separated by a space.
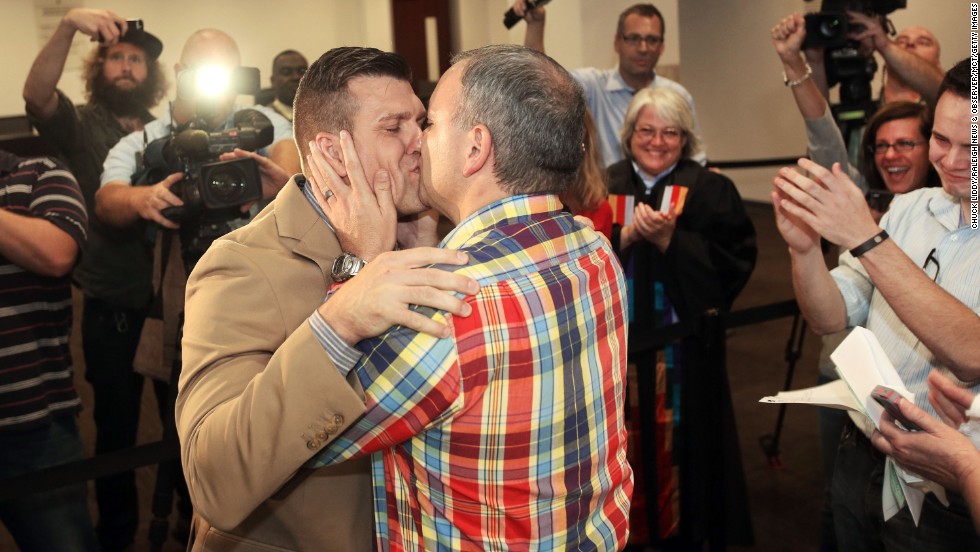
x=688 y=248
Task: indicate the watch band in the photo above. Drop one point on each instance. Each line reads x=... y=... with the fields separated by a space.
x=870 y=244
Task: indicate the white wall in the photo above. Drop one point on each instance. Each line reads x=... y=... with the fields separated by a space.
x=719 y=48
x=262 y=29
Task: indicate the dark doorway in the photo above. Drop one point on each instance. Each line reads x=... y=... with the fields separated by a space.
x=413 y=41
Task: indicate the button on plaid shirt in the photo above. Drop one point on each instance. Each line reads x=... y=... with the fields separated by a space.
x=509 y=434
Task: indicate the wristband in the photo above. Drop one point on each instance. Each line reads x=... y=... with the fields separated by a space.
x=870 y=244
x=799 y=81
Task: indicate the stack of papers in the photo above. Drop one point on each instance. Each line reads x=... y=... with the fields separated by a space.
x=862 y=365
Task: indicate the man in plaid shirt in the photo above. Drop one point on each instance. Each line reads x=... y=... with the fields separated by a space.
x=507 y=432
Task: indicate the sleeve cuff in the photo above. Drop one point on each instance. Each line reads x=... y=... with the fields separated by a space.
x=343 y=356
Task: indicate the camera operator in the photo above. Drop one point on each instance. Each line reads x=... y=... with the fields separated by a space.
x=121 y=204
x=127 y=207
x=912 y=70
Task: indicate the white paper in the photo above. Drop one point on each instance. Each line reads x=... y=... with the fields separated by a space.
x=834 y=394
x=862 y=365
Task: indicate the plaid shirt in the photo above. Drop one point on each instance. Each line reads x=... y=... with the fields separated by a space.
x=510 y=433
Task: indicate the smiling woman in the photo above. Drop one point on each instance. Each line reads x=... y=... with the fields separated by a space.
x=690 y=247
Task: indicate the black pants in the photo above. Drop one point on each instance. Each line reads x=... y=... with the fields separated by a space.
x=110 y=336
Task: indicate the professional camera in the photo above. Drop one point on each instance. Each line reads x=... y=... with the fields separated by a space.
x=212 y=190
x=829 y=27
x=845 y=63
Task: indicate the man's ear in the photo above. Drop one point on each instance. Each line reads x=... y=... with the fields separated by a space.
x=480 y=145
x=329 y=146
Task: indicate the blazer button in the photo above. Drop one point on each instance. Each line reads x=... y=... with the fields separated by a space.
x=323 y=435
x=312 y=445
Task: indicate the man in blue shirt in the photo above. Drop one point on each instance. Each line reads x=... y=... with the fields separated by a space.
x=639 y=42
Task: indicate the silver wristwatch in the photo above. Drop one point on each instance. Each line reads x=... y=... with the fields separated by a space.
x=345 y=267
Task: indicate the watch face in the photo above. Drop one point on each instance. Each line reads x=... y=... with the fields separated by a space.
x=345 y=267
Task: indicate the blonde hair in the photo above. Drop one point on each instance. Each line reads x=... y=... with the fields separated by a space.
x=671 y=107
x=590 y=188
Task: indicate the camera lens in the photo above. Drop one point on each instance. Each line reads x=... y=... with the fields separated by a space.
x=227 y=185
x=830 y=27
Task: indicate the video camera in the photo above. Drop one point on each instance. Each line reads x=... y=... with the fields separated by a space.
x=845 y=64
x=212 y=190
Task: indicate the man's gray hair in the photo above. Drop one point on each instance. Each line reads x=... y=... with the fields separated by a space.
x=535 y=112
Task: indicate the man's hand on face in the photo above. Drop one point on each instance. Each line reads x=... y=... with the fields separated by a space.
x=829 y=203
x=380 y=295
x=363 y=215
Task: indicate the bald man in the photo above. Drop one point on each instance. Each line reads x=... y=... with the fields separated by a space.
x=120 y=204
x=112 y=331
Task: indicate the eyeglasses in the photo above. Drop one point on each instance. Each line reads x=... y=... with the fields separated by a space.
x=119 y=57
x=635 y=40
x=931 y=259
x=669 y=134
x=901 y=146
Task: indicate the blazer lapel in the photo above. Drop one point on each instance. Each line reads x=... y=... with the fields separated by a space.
x=299 y=222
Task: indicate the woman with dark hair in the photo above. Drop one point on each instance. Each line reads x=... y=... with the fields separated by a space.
x=689 y=249
x=895 y=148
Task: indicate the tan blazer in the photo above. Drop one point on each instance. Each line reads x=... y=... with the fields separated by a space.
x=259 y=396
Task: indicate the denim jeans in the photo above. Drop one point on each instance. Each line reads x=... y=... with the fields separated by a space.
x=52 y=520
x=858 y=520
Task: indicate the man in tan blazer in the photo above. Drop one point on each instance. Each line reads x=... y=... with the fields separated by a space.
x=263 y=386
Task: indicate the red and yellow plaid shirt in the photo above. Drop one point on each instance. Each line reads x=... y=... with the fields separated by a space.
x=509 y=434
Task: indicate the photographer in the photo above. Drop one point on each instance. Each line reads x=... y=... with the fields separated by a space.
x=131 y=209
x=912 y=70
x=123 y=80
x=121 y=204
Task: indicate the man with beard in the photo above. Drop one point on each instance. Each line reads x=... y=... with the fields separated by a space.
x=123 y=80
x=287 y=68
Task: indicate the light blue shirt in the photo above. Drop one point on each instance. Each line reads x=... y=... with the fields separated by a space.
x=608 y=96
x=918 y=222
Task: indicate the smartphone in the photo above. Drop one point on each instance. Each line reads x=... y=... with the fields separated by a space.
x=131 y=25
x=888 y=399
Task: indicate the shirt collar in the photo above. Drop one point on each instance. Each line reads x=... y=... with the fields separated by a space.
x=650 y=181
x=947 y=210
x=304 y=185
x=498 y=212
x=615 y=82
